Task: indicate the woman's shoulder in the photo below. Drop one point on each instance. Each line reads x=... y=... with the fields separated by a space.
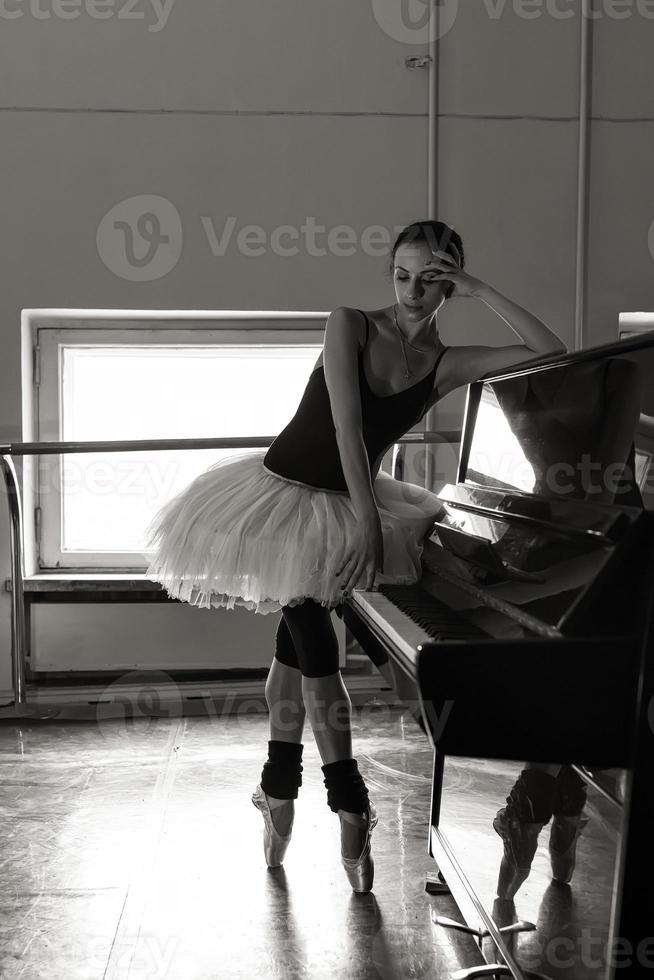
x=353 y=316
x=379 y=317
x=358 y=319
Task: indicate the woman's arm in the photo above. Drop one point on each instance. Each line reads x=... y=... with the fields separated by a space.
x=475 y=361
x=532 y=331
x=340 y=352
x=535 y=335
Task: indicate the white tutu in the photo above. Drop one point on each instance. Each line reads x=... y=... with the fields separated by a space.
x=239 y=535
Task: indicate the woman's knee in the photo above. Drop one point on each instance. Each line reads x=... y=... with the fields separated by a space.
x=284 y=645
x=314 y=638
x=284 y=677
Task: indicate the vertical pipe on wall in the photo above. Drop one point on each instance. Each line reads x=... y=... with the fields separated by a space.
x=432 y=181
x=18 y=632
x=585 y=95
x=432 y=119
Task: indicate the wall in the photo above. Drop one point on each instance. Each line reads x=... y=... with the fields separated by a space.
x=275 y=114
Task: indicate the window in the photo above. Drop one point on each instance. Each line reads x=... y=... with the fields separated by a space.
x=145 y=381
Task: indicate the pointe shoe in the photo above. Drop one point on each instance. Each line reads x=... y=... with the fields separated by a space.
x=360 y=871
x=563 y=845
x=520 y=839
x=274 y=844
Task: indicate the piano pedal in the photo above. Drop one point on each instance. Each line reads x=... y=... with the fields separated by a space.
x=493 y=970
x=520 y=925
x=487 y=970
x=375 y=702
x=435 y=884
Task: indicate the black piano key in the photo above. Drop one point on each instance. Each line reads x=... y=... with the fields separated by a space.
x=432 y=615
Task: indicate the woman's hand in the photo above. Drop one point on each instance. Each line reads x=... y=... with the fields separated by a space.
x=464 y=284
x=536 y=337
x=364 y=557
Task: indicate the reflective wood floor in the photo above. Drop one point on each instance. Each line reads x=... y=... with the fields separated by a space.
x=132 y=849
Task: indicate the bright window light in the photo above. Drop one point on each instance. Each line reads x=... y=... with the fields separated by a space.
x=161 y=392
x=495 y=451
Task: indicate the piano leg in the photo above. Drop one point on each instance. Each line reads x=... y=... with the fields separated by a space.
x=404 y=690
x=416 y=714
x=377 y=655
x=435 y=883
x=387 y=671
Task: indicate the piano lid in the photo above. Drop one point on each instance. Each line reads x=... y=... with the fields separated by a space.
x=555 y=470
x=533 y=573
x=580 y=429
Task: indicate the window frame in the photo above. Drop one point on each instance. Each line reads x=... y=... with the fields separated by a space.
x=42 y=419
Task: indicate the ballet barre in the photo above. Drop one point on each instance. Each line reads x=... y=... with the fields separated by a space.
x=104 y=586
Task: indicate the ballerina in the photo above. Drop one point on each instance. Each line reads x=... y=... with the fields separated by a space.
x=297 y=527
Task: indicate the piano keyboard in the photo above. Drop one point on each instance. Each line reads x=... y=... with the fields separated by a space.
x=434 y=616
x=409 y=617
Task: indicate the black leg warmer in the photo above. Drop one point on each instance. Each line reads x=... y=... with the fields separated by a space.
x=571 y=793
x=346 y=789
x=532 y=796
x=281 y=776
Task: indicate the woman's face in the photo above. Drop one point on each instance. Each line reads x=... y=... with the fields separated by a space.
x=419 y=293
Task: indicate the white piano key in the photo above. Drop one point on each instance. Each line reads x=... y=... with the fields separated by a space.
x=395 y=625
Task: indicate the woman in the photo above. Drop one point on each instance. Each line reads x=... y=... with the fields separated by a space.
x=298 y=527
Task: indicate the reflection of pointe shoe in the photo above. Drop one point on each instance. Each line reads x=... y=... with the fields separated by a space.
x=520 y=840
x=360 y=871
x=504 y=914
x=274 y=844
x=563 y=845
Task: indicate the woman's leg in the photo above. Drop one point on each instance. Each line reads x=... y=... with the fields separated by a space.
x=325 y=696
x=283 y=694
x=330 y=713
x=284 y=690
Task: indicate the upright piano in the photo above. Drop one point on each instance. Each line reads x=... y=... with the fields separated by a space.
x=526 y=645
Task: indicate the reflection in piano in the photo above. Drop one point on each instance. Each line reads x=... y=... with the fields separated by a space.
x=522 y=654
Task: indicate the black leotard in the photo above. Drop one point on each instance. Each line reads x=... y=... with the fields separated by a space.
x=306 y=450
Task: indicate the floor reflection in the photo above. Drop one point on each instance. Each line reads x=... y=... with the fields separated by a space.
x=133 y=849
x=565 y=922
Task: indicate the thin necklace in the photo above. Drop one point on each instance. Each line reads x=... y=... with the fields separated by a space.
x=408 y=372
